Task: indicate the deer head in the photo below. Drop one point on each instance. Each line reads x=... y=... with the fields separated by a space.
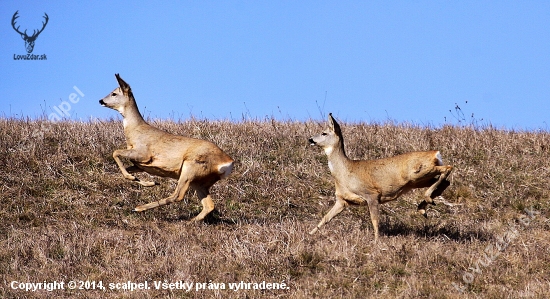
x=29 y=40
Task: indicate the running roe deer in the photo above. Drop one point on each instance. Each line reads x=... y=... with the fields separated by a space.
x=196 y=164
x=378 y=181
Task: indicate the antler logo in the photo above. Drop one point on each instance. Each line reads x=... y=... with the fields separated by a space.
x=29 y=40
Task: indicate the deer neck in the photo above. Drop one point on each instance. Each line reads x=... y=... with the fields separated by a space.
x=337 y=159
x=131 y=117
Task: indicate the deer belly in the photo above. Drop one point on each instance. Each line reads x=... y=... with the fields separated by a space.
x=171 y=171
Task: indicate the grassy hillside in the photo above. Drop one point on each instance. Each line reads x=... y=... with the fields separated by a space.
x=66 y=216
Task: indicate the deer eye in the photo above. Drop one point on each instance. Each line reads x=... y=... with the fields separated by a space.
x=324 y=134
x=113 y=94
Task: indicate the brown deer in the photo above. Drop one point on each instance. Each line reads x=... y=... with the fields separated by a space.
x=378 y=181
x=195 y=163
x=29 y=40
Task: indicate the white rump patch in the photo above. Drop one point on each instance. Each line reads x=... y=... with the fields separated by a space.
x=225 y=169
x=439 y=159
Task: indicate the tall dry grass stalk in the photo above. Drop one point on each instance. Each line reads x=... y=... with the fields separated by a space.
x=66 y=215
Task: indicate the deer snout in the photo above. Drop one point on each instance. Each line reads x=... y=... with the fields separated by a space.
x=102 y=103
x=312 y=142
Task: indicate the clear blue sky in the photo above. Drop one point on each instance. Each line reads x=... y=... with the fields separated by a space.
x=362 y=60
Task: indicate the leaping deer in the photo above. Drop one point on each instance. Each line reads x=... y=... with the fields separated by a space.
x=29 y=40
x=378 y=181
x=195 y=163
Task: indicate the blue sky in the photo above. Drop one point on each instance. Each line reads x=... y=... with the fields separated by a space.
x=370 y=61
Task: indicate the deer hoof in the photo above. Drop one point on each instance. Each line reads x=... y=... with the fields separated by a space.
x=423 y=213
x=138 y=209
x=147 y=183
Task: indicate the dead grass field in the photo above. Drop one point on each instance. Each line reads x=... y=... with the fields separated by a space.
x=66 y=215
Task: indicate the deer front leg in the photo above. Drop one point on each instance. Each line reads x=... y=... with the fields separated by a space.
x=133 y=169
x=373 y=203
x=132 y=155
x=336 y=209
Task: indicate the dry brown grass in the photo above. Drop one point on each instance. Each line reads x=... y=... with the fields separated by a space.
x=66 y=215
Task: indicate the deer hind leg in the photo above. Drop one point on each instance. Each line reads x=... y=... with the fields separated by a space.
x=183 y=185
x=132 y=155
x=207 y=204
x=436 y=189
x=336 y=209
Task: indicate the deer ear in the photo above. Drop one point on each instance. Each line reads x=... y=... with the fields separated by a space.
x=334 y=126
x=123 y=85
